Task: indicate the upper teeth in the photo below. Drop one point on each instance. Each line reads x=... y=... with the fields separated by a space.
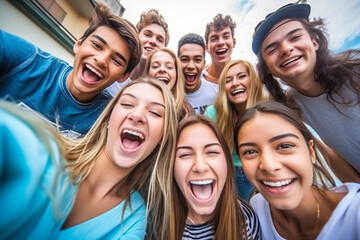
x=202 y=182
x=134 y=133
x=293 y=59
x=238 y=91
x=94 y=71
x=278 y=184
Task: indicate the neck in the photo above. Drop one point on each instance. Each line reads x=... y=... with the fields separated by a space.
x=105 y=177
x=138 y=70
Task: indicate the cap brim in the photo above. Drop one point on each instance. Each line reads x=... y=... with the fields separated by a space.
x=291 y=11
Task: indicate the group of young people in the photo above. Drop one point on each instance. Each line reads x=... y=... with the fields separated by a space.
x=148 y=144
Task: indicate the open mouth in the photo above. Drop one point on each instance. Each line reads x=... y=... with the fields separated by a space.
x=221 y=52
x=131 y=139
x=190 y=77
x=202 y=189
x=290 y=61
x=278 y=184
x=164 y=80
x=91 y=74
x=237 y=91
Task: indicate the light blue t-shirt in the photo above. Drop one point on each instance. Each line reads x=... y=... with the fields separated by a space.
x=37 y=80
x=36 y=195
x=28 y=179
x=113 y=224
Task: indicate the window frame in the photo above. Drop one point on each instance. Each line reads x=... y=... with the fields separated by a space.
x=47 y=22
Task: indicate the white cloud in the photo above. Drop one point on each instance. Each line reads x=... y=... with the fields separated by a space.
x=342 y=18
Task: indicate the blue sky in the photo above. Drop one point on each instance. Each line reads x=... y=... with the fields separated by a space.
x=342 y=19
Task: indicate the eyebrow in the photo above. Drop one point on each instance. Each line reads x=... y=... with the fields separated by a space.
x=105 y=43
x=287 y=35
x=206 y=146
x=133 y=96
x=273 y=139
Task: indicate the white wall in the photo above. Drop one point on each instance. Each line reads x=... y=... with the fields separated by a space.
x=14 y=21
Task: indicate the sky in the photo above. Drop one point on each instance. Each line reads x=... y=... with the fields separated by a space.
x=342 y=19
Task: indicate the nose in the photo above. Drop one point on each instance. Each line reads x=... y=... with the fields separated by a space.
x=162 y=68
x=190 y=65
x=137 y=115
x=269 y=162
x=286 y=48
x=101 y=58
x=152 y=41
x=235 y=81
x=200 y=164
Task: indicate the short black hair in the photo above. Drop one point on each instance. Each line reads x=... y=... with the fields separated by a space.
x=191 y=38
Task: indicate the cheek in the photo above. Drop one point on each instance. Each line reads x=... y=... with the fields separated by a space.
x=222 y=172
x=249 y=170
x=180 y=171
x=156 y=131
x=227 y=91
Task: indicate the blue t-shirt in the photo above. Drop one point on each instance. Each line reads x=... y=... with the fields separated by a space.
x=37 y=79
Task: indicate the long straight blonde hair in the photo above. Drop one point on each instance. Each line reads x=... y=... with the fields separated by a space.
x=226 y=114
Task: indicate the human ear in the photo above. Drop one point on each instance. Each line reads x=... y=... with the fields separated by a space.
x=312 y=151
x=124 y=77
x=315 y=43
x=77 y=45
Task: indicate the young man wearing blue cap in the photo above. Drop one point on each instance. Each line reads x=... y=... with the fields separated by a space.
x=325 y=87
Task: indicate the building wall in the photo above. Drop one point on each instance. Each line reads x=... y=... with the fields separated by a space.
x=14 y=21
x=74 y=22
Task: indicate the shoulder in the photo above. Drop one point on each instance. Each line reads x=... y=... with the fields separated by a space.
x=252 y=222
x=14 y=50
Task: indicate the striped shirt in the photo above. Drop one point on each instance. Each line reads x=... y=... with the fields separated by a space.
x=206 y=231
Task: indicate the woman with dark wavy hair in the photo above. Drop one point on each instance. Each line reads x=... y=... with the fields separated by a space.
x=323 y=86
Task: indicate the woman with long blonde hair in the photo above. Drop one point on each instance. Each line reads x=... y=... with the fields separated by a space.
x=98 y=184
x=239 y=89
x=164 y=65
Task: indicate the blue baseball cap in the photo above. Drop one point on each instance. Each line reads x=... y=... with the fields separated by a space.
x=288 y=11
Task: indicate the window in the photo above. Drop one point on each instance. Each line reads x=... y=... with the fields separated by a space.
x=49 y=16
x=115 y=7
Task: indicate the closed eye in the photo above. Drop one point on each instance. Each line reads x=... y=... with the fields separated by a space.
x=127 y=105
x=96 y=45
x=157 y=114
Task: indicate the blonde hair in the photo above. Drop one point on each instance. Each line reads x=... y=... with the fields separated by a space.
x=82 y=153
x=227 y=213
x=183 y=107
x=226 y=114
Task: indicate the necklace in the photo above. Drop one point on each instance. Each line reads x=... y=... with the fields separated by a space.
x=317 y=214
x=193 y=222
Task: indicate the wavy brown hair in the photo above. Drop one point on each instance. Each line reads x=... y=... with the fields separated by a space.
x=126 y=30
x=331 y=71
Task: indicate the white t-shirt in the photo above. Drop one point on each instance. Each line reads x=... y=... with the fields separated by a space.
x=203 y=97
x=344 y=222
